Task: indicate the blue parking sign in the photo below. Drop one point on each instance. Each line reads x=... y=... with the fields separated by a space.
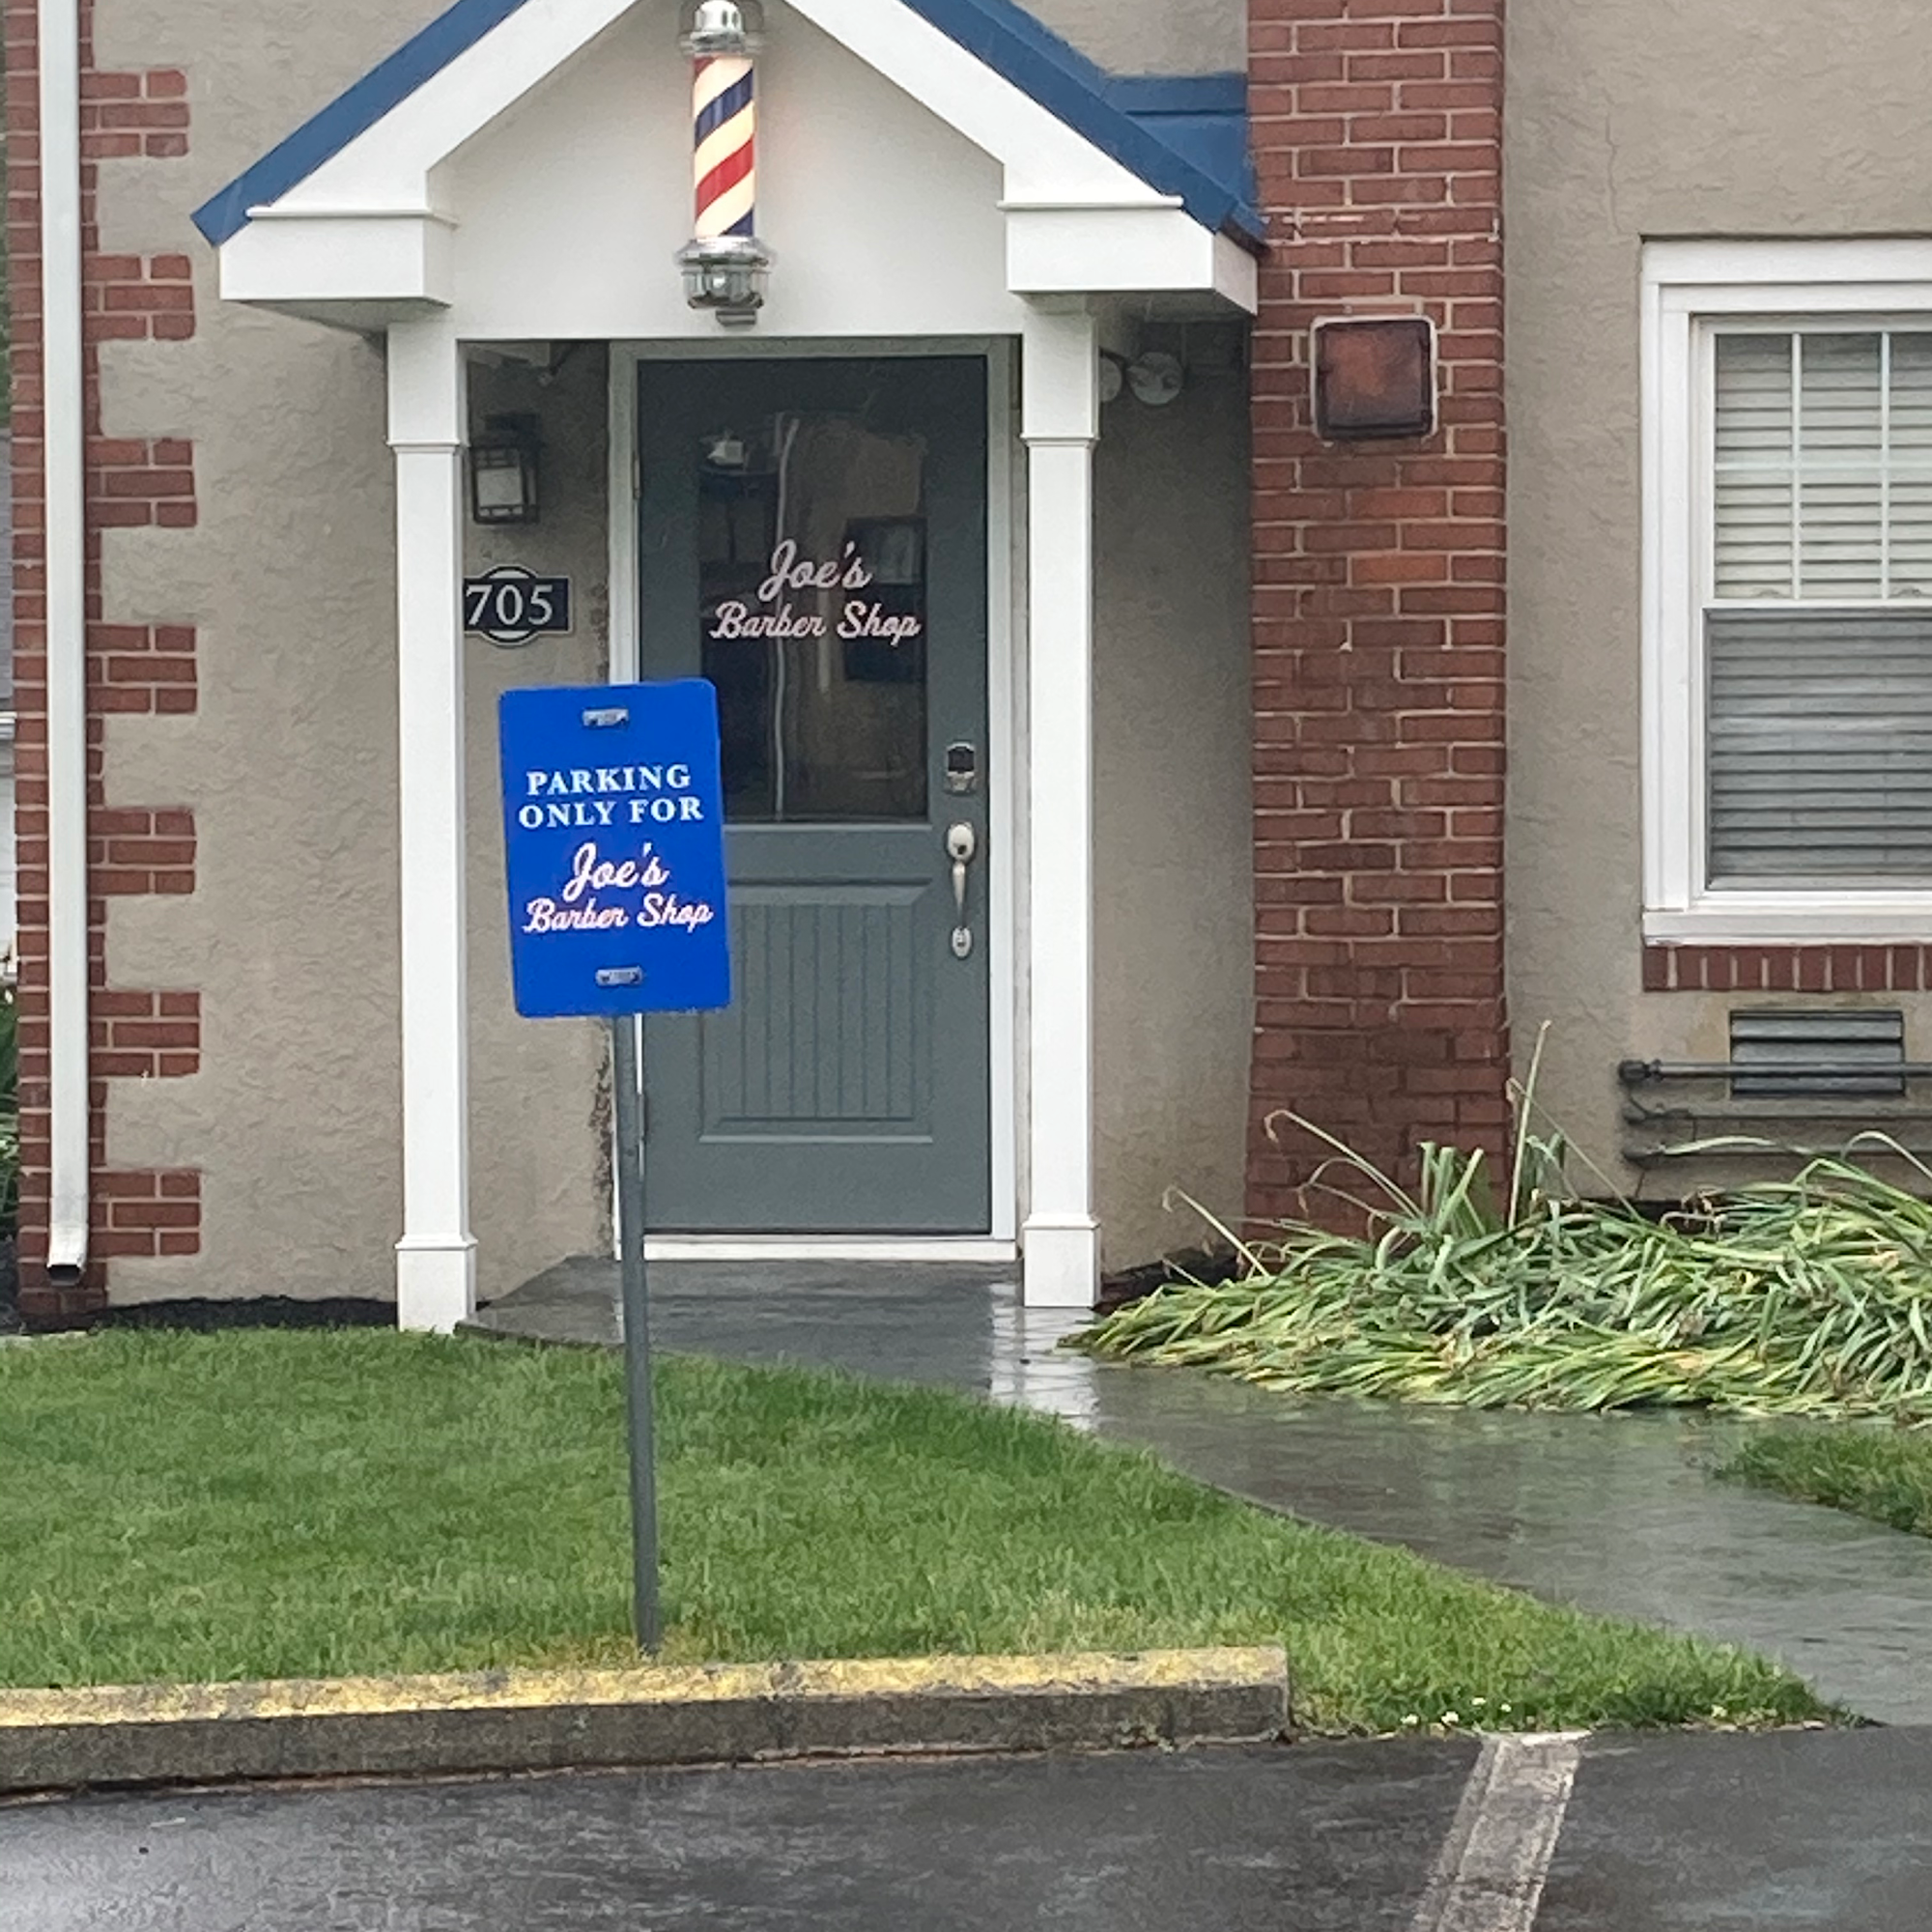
x=613 y=818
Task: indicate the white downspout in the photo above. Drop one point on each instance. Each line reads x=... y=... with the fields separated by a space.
x=63 y=391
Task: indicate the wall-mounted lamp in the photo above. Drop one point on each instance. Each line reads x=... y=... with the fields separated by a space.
x=1154 y=377
x=726 y=267
x=1373 y=376
x=504 y=464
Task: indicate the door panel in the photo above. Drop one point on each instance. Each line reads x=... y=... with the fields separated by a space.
x=846 y=967
x=814 y=542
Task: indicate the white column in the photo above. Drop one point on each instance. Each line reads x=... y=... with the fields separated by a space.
x=435 y=1258
x=1060 y=419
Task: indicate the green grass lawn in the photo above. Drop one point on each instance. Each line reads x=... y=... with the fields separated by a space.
x=271 y=1504
x=1884 y=1474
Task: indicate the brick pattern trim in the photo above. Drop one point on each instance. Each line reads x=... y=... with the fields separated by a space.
x=131 y=483
x=142 y=668
x=146 y=1036
x=1379 y=594
x=139 y=853
x=128 y=115
x=1787 y=969
x=134 y=299
x=146 y=1214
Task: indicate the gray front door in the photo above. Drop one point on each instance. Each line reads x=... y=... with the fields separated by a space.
x=814 y=543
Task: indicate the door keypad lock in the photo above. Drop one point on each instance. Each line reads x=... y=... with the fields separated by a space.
x=963 y=846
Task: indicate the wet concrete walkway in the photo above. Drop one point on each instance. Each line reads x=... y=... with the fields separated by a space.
x=1617 y=1515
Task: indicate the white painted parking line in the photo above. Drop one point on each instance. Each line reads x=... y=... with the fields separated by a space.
x=1493 y=1865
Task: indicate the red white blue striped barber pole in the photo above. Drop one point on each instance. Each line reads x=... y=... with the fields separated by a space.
x=725 y=263
x=725 y=115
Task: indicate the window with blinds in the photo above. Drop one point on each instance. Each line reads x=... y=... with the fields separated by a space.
x=1818 y=635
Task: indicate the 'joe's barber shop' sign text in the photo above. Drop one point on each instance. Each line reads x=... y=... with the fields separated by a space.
x=861 y=614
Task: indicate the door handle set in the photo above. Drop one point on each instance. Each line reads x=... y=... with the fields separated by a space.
x=962 y=846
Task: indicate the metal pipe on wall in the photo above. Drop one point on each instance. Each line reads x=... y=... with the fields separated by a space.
x=63 y=385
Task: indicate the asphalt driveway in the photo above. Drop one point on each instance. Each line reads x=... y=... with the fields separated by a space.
x=1825 y=1830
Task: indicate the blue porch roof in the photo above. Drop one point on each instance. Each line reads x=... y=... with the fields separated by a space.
x=1185 y=136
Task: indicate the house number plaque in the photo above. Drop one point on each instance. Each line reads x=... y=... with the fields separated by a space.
x=511 y=605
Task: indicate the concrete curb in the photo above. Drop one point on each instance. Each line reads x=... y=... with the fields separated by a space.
x=552 y=1720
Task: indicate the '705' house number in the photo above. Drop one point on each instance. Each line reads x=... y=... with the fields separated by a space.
x=512 y=606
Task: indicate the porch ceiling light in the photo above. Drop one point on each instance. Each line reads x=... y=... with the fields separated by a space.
x=504 y=471
x=725 y=265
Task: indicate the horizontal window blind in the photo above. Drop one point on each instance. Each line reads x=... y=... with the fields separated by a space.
x=1819 y=747
x=1823 y=483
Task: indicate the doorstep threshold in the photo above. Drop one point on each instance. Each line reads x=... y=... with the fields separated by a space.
x=829 y=1248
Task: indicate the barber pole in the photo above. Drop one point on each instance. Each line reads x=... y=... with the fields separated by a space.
x=725 y=126
x=725 y=263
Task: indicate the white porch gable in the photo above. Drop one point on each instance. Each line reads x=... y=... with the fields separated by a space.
x=573 y=115
x=930 y=170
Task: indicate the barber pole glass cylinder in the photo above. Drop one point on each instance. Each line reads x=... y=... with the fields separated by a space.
x=725 y=265
x=725 y=128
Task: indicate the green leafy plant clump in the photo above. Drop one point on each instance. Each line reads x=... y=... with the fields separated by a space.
x=1810 y=1297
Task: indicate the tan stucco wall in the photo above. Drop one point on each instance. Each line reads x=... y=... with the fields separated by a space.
x=290 y=764
x=1174 y=923
x=1627 y=119
x=1154 y=35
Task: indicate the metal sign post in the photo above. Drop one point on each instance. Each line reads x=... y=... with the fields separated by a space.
x=625 y=1074
x=613 y=816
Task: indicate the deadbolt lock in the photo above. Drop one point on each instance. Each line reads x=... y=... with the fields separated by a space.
x=962 y=769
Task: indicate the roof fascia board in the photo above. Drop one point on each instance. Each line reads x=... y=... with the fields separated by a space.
x=401 y=266
x=1237 y=273
x=1160 y=251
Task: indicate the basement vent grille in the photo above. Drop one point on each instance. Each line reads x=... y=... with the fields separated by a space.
x=1802 y=1056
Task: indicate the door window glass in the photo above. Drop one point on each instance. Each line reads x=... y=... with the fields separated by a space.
x=813 y=576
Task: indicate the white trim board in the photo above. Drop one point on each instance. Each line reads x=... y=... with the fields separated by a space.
x=1686 y=285
x=827 y=1248
x=1003 y=677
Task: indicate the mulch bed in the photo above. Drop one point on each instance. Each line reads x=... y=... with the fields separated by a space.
x=1131 y=1284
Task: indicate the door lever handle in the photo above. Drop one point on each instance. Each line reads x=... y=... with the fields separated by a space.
x=962 y=844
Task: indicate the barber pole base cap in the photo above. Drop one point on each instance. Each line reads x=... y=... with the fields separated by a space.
x=727 y=273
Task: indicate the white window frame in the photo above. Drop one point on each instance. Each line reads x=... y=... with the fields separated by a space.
x=1686 y=287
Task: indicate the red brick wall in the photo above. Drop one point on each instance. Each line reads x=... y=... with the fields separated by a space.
x=130 y=667
x=1787 y=969
x=1379 y=593
x=147 y=1035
